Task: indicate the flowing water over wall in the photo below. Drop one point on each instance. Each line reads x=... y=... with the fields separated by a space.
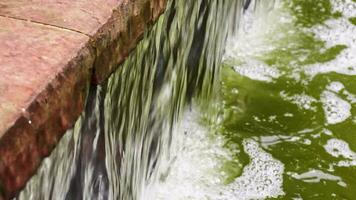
x=284 y=125
x=126 y=130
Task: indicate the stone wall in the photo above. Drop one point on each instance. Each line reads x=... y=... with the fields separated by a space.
x=50 y=53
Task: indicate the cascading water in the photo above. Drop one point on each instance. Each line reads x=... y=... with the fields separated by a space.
x=126 y=130
x=275 y=120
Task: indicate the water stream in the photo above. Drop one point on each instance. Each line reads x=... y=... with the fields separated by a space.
x=282 y=124
x=225 y=100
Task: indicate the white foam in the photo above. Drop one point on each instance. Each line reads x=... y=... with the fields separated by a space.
x=262 y=178
x=303 y=101
x=267 y=141
x=257 y=71
x=339 y=88
x=350 y=97
x=336 y=109
x=192 y=170
x=335 y=87
x=252 y=40
x=346 y=7
x=336 y=32
x=315 y=176
x=327 y=132
x=195 y=173
x=255 y=27
x=288 y=114
x=337 y=148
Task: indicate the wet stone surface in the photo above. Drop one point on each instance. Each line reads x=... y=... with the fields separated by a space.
x=49 y=51
x=94 y=13
x=43 y=88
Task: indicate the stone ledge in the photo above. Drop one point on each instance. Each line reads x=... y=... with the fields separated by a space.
x=48 y=58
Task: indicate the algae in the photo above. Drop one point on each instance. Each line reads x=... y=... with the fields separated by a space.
x=258 y=109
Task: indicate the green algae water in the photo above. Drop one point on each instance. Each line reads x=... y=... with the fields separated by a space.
x=282 y=124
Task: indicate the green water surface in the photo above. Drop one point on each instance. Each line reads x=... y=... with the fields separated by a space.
x=256 y=109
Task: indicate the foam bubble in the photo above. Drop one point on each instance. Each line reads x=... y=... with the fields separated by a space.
x=252 y=40
x=335 y=87
x=195 y=173
x=191 y=171
x=255 y=27
x=262 y=178
x=338 y=87
x=336 y=32
x=350 y=97
x=267 y=141
x=303 y=101
x=257 y=71
x=315 y=176
x=337 y=148
x=288 y=114
x=347 y=7
x=336 y=109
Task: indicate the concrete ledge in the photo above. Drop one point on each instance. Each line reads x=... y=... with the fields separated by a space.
x=50 y=52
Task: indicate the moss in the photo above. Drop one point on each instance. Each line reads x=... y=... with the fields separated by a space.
x=353 y=20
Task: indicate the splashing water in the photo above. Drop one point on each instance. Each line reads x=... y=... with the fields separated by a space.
x=194 y=174
x=126 y=129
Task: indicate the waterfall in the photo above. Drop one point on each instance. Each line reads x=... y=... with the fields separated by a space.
x=114 y=148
